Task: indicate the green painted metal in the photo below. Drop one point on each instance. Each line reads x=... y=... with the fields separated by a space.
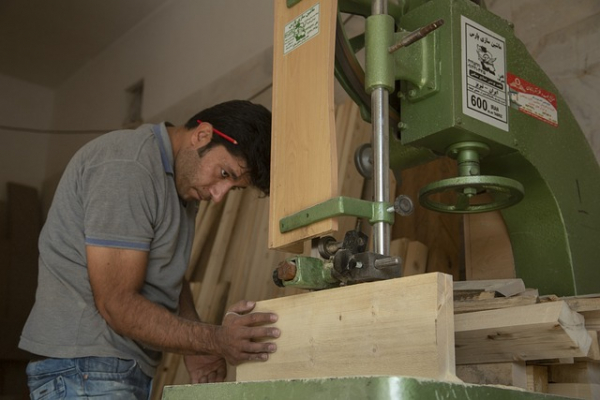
x=505 y=191
x=379 y=63
x=292 y=3
x=416 y=66
x=349 y=388
x=555 y=230
x=311 y=273
x=335 y=207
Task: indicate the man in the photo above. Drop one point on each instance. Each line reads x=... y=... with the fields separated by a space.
x=113 y=252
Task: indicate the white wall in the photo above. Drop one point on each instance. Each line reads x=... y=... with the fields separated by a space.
x=187 y=45
x=562 y=36
x=23 y=154
x=177 y=51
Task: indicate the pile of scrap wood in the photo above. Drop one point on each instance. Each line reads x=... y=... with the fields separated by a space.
x=509 y=335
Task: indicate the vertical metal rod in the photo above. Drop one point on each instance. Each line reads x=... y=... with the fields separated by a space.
x=379 y=7
x=381 y=160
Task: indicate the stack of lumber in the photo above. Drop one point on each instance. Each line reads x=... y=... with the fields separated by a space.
x=506 y=334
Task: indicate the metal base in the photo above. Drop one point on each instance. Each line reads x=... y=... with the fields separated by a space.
x=376 y=387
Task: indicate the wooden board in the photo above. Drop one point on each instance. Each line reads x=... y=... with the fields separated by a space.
x=488 y=251
x=579 y=372
x=537 y=378
x=506 y=287
x=416 y=259
x=534 y=332
x=576 y=390
x=396 y=327
x=440 y=232
x=583 y=303
x=507 y=374
x=304 y=164
x=463 y=306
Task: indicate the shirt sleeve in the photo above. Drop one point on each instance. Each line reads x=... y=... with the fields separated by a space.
x=120 y=206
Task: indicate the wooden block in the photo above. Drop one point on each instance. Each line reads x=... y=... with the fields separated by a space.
x=473 y=305
x=399 y=247
x=416 y=259
x=578 y=372
x=583 y=303
x=395 y=327
x=592 y=319
x=508 y=374
x=577 y=303
x=537 y=378
x=505 y=287
x=594 y=353
x=576 y=390
x=304 y=164
x=488 y=251
x=439 y=260
x=534 y=332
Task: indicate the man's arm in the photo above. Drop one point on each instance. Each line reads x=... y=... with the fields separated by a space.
x=116 y=278
x=201 y=368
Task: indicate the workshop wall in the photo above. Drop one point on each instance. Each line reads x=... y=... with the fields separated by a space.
x=23 y=155
x=562 y=36
x=177 y=51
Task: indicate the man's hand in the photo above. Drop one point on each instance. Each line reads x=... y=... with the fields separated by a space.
x=206 y=368
x=240 y=337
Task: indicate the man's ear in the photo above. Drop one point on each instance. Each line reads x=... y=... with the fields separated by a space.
x=201 y=135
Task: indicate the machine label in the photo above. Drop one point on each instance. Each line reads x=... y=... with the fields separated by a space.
x=301 y=29
x=485 y=92
x=532 y=100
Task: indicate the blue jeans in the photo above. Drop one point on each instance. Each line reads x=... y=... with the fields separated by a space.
x=98 y=377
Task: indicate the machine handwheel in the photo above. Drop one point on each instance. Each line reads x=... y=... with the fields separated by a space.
x=505 y=193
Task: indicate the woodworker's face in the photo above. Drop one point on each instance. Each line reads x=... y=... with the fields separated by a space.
x=210 y=176
x=207 y=174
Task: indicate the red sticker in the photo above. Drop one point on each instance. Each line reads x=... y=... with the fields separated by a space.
x=532 y=100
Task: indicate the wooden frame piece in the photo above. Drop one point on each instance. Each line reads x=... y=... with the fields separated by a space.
x=399 y=326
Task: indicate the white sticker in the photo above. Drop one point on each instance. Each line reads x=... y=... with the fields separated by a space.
x=301 y=29
x=485 y=92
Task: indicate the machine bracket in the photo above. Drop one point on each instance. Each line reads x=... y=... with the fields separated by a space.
x=416 y=65
x=335 y=207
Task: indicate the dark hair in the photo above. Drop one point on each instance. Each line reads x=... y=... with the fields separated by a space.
x=250 y=125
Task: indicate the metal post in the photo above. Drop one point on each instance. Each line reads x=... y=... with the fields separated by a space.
x=381 y=161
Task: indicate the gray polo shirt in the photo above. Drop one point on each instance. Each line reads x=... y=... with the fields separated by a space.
x=117 y=191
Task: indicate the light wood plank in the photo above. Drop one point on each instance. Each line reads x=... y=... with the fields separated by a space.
x=594 y=353
x=537 y=378
x=508 y=374
x=394 y=327
x=579 y=372
x=303 y=149
x=578 y=303
x=488 y=251
x=535 y=332
x=584 y=391
x=592 y=319
x=463 y=306
x=416 y=259
x=506 y=287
